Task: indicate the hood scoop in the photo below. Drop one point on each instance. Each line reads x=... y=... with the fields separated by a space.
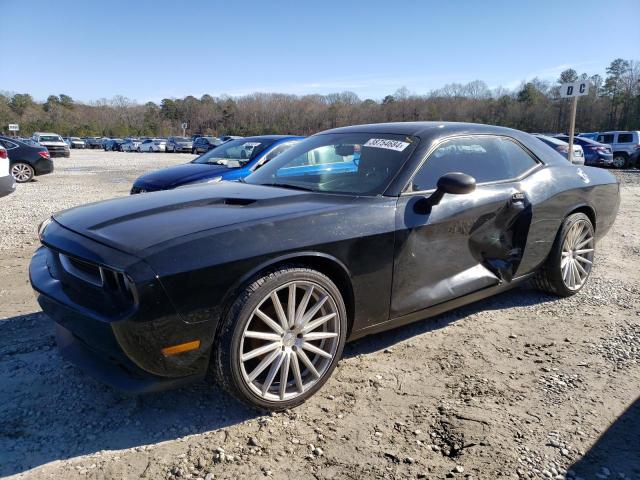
x=238 y=202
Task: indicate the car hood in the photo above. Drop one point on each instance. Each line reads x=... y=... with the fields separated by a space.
x=180 y=174
x=136 y=223
x=53 y=144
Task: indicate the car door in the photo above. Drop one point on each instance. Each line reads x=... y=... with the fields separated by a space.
x=469 y=241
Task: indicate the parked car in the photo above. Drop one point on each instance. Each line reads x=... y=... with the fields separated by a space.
x=75 y=142
x=562 y=148
x=179 y=144
x=230 y=161
x=589 y=135
x=152 y=145
x=263 y=281
x=226 y=138
x=112 y=144
x=93 y=142
x=53 y=142
x=624 y=144
x=130 y=145
x=204 y=144
x=26 y=161
x=7 y=182
x=595 y=153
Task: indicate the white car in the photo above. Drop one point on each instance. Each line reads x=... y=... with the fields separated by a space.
x=7 y=183
x=130 y=145
x=153 y=145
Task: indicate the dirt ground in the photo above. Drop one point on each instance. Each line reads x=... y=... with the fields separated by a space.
x=522 y=385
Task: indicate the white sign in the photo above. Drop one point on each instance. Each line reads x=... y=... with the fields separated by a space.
x=385 y=143
x=14 y=127
x=574 y=89
x=184 y=125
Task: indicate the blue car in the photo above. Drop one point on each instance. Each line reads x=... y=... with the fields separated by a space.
x=232 y=160
x=595 y=153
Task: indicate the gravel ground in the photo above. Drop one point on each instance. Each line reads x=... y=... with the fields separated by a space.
x=522 y=385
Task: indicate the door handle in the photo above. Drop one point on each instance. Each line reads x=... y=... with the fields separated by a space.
x=517 y=197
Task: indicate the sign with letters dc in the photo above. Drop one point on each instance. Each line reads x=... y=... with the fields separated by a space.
x=574 y=89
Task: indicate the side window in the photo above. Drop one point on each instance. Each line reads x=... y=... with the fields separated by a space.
x=277 y=151
x=605 y=138
x=486 y=158
x=625 y=137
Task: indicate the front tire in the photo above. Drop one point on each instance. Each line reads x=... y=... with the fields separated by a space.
x=281 y=339
x=569 y=264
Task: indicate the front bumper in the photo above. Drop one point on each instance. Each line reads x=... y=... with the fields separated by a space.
x=120 y=343
x=7 y=185
x=118 y=373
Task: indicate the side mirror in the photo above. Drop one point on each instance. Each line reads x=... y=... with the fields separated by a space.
x=455 y=183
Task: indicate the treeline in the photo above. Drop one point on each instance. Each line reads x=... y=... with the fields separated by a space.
x=613 y=103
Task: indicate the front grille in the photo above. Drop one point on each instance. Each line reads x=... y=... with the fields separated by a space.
x=57 y=149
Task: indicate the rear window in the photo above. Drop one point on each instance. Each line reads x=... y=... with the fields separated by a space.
x=625 y=137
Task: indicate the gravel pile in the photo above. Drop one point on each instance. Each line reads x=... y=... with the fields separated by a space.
x=523 y=385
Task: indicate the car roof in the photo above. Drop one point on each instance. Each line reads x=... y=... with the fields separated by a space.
x=269 y=137
x=421 y=129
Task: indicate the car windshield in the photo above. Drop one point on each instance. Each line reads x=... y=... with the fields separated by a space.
x=50 y=138
x=181 y=139
x=235 y=153
x=347 y=163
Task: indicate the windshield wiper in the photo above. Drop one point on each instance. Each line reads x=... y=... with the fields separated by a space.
x=288 y=185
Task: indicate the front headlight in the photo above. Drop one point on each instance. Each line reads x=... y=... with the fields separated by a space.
x=43 y=226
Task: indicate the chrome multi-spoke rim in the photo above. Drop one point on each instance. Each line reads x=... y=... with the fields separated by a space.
x=21 y=172
x=290 y=341
x=577 y=255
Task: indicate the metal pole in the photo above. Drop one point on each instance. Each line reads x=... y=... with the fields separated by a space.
x=574 y=106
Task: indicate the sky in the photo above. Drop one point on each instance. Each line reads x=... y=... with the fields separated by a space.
x=148 y=50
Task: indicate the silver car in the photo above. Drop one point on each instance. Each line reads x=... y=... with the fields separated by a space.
x=623 y=143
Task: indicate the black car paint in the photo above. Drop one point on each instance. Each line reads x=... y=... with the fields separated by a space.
x=189 y=251
x=28 y=154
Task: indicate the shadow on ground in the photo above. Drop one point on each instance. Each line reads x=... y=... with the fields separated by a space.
x=617 y=451
x=50 y=410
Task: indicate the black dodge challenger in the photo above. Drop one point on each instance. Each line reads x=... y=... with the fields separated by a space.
x=353 y=231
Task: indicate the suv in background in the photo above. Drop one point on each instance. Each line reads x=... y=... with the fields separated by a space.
x=623 y=144
x=204 y=144
x=7 y=183
x=54 y=143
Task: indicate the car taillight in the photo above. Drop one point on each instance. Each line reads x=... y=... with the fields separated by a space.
x=3 y=153
x=44 y=154
x=600 y=149
x=638 y=146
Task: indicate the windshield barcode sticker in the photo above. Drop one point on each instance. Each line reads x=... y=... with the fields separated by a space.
x=396 y=145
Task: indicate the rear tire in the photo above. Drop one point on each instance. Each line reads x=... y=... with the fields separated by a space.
x=619 y=161
x=22 y=172
x=283 y=368
x=568 y=266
